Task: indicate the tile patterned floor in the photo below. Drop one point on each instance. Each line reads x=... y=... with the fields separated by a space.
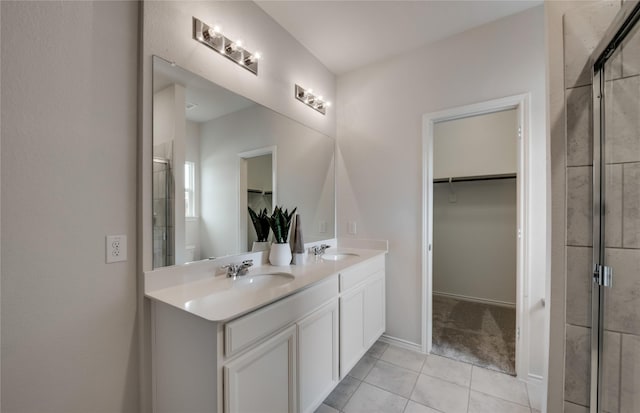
x=389 y=379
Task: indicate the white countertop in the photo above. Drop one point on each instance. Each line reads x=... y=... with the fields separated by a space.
x=215 y=298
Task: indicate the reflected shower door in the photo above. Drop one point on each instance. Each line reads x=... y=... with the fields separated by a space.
x=162 y=213
x=617 y=302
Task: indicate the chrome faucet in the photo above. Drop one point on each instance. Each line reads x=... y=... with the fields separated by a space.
x=237 y=269
x=319 y=250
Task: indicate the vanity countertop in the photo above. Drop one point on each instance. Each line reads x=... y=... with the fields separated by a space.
x=218 y=298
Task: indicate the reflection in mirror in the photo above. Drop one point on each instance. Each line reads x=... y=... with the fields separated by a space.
x=215 y=153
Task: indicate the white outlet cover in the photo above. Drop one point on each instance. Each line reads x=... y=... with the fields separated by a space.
x=116 y=248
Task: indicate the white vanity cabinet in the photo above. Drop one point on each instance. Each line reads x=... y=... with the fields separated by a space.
x=283 y=357
x=362 y=310
x=318 y=356
x=263 y=379
x=293 y=370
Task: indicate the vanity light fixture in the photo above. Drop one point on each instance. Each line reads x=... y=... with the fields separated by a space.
x=307 y=97
x=212 y=37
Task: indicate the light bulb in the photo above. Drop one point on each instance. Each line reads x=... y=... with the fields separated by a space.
x=257 y=56
x=328 y=104
x=310 y=91
x=214 y=31
x=320 y=98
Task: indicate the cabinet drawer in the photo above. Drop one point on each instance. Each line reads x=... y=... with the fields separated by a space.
x=245 y=331
x=353 y=276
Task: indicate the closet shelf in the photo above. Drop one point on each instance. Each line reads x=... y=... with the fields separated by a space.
x=474 y=178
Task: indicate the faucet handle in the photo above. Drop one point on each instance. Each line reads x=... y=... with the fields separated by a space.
x=247 y=263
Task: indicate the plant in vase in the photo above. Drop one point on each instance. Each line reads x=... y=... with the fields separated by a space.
x=261 y=225
x=280 y=222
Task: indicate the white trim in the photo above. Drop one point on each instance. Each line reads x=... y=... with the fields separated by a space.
x=398 y=342
x=476 y=299
x=521 y=104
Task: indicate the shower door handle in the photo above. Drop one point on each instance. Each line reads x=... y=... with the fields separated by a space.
x=603 y=275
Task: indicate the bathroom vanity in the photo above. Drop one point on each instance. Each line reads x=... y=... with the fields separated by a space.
x=277 y=339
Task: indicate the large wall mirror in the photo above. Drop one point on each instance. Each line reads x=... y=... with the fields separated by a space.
x=215 y=153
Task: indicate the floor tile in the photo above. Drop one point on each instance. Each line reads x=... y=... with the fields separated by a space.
x=377 y=349
x=326 y=409
x=413 y=407
x=363 y=367
x=483 y=403
x=447 y=369
x=404 y=358
x=499 y=385
x=441 y=395
x=392 y=378
x=341 y=394
x=370 y=399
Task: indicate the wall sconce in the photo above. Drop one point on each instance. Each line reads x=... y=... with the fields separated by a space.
x=212 y=37
x=307 y=97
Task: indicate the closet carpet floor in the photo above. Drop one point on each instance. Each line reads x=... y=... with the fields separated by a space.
x=479 y=334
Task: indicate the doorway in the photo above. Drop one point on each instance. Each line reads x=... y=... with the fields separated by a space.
x=474 y=193
x=258 y=171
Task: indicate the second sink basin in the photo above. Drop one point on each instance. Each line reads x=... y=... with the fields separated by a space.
x=338 y=256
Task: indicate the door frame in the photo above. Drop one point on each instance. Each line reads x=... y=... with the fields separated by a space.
x=521 y=103
x=242 y=184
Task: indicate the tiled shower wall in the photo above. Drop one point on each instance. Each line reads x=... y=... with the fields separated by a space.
x=583 y=28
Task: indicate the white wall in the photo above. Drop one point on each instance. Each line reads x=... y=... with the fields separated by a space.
x=69 y=110
x=259 y=173
x=478 y=145
x=480 y=225
x=379 y=162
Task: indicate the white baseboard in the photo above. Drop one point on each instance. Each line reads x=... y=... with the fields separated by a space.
x=401 y=343
x=476 y=299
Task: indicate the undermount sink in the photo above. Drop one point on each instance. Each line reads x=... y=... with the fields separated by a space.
x=271 y=279
x=228 y=290
x=338 y=256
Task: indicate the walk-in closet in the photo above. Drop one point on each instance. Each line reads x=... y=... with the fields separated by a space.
x=475 y=239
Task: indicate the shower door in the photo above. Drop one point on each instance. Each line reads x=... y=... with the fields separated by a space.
x=615 y=343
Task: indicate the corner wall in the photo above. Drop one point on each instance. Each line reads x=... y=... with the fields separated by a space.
x=379 y=162
x=69 y=107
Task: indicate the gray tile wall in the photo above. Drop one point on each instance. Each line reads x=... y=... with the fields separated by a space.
x=583 y=28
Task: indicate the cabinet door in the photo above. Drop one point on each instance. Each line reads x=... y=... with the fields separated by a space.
x=374 y=309
x=263 y=379
x=351 y=329
x=317 y=356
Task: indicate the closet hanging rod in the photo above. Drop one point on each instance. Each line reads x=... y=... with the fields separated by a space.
x=474 y=178
x=259 y=191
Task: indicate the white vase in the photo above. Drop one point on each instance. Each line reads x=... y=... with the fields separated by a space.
x=260 y=246
x=280 y=254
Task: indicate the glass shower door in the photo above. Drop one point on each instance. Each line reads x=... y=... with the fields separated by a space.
x=616 y=288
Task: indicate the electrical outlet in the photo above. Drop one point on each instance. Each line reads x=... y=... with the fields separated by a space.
x=322 y=227
x=351 y=227
x=116 y=248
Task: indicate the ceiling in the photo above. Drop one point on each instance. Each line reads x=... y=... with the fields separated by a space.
x=205 y=100
x=346 y=35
